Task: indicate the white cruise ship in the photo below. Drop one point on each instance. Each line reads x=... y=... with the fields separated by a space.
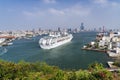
x=55 y=40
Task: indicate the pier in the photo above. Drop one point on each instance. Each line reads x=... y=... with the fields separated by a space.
x=112 y=68
x=91 y=49
x=7 y=37
x=113 y=54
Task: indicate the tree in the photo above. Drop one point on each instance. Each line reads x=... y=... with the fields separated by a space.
x=59 y=76
x=72 y=75
x=117 y=63
x=84 y=75
x=99 y=72
x=95 y=66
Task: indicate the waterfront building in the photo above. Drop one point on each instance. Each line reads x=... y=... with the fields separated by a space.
x=99 y=36
x=105 y=41
x=112 y=41
x=69 y=30
x=100 y=29
x=76 y=30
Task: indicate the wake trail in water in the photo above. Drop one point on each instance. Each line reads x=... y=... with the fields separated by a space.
x=2 y=51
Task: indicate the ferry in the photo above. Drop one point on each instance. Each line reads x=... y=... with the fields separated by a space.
x=54 y=40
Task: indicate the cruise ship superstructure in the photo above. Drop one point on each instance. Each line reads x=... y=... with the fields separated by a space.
x=55 y=40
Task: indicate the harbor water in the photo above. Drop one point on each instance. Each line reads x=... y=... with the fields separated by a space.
x=67 y=56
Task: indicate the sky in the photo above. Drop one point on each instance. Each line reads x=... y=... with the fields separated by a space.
x=51 y=14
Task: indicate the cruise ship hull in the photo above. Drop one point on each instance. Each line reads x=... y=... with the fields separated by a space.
x=56 y=44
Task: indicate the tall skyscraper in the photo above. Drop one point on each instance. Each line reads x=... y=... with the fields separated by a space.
x=39 y=29
x=82 y=27
x=59 y=29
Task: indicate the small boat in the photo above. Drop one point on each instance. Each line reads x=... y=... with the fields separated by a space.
x=2 y=40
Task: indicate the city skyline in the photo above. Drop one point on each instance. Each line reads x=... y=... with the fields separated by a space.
x=51 y=14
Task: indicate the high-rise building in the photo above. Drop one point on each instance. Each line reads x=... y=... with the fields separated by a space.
x=94 y=29
x=59 y=29
x=82 y=27
x=39 y=29
x=69 y=30
x=100 y=29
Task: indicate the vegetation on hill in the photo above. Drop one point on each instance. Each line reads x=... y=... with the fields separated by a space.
x=117 y=63
x=42 y=71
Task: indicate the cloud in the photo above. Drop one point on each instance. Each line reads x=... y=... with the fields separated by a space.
x=100 y=1
x=105 y=3
x=29 y=14
x=49 y=1
x=76 y=10
x=73 y=11
x=56 y=12
x=114 y=4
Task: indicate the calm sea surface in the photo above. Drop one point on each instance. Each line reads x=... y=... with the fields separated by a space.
x=68 y=56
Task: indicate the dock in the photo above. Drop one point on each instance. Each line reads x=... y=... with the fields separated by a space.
x=112 y=54
x=7 y=37
x=91 y=49
x=112 y=68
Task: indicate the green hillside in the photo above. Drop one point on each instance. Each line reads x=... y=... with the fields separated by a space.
x=42 y=71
